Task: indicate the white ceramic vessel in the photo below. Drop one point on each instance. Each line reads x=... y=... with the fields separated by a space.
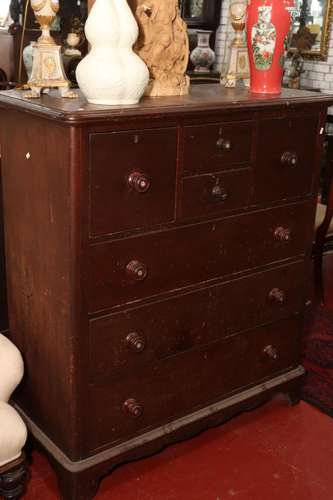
x=13 y=432
x=112 y=73
x=11 y=368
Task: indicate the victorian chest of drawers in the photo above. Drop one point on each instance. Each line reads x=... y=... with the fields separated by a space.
x=158 y=265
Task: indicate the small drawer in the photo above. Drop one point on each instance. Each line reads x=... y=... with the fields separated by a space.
x=159 y=392
x=133 y=338
x=216 y=193
x=134 y=268
x=132 y=179
x=285 y=158
x=216 y=147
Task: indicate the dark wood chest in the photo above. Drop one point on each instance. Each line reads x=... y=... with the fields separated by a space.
x=158 y=264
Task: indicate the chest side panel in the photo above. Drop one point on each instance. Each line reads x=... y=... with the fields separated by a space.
x=40 y=273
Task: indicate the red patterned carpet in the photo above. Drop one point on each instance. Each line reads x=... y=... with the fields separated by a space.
x=276 y=452
x=318 y=388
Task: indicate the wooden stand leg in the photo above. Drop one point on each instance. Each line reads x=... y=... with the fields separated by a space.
x=318 y=274
x=76 y=486
x=294 y=396
x=13 y=479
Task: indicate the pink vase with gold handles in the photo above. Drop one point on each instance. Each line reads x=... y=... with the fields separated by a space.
x=268 y=25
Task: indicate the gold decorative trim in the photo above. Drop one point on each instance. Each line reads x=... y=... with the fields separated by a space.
x=320 y=55
x=48 y=83
x=45 y=21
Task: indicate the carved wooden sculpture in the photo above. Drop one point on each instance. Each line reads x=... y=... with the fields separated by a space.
x=163 y=45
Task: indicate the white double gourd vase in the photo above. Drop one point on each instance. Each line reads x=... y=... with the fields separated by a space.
x=13 y=432
x=111 y=73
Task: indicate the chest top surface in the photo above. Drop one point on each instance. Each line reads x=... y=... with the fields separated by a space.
x=201 y=98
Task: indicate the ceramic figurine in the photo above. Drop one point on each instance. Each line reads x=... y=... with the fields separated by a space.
x=111 y=73
x=296 y=70
x=164 y=46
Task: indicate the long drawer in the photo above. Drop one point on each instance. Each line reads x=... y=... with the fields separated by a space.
x=130 y=269
x=139 y=400
x=135 y=337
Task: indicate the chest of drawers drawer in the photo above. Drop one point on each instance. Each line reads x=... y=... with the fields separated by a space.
x=285 y=158
x=134 y=268
x=132 y=179
x=218 y=146
x=137 y=401
x=216 y=193
x=132 y=338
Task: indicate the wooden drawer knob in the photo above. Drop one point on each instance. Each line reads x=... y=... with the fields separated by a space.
x=282 y=233
x=137 y=270
x=218 y=194
x=135 y=342
x=223 y=144
x=139 y=182
x=133 y=408
x=289 y=159
x=271 y=352
x=277 y=295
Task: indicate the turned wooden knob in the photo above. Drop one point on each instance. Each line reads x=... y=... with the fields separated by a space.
x=139 y=181
x=137 y=270
x=218 y=194
x=271 y=352
x=135 y=342
x=282 y=233
x=277 y=295
x=223 y=144
x=133 y=408
x=289 y=159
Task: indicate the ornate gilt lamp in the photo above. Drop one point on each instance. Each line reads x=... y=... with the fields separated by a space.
x=238 y=69
x=47 y=70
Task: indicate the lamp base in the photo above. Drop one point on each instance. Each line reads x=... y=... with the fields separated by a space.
x=239 y=70
x=48 y=72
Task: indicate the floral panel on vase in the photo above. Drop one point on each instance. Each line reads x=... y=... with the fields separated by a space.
x=268 y=24
x=263 y=39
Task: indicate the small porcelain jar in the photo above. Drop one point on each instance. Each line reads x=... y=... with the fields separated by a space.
x=203 y=56
x=72 y=41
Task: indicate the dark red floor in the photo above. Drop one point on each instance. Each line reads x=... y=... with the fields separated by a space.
x=276 y=452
